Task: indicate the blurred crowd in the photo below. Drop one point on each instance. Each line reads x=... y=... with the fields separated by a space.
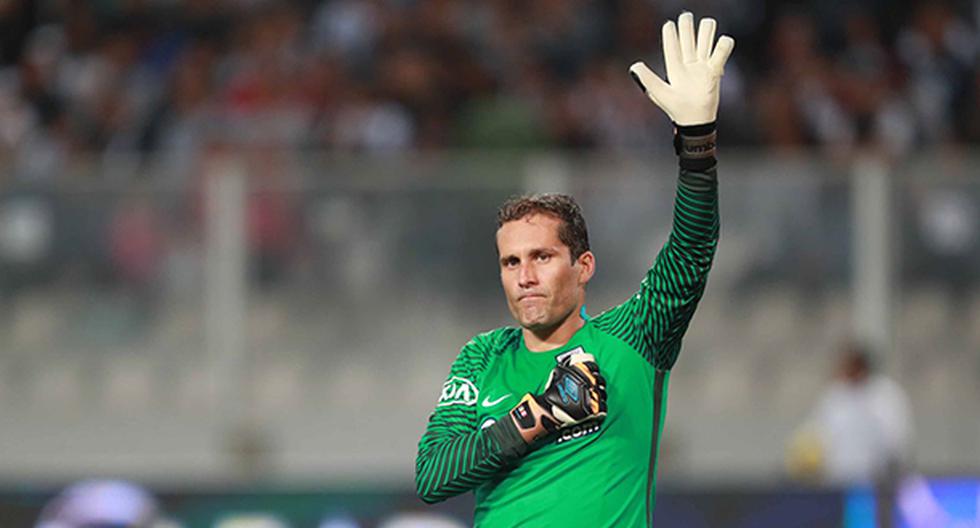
x=175 y=76
x=174 y=82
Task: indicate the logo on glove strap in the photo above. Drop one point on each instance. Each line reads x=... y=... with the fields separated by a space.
x=458 y=390
x=694 y=147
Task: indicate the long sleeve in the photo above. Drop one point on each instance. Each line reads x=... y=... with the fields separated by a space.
x=454 y=454
x=654 y=320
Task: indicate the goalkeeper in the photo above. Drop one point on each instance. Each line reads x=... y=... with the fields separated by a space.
x=557 y=423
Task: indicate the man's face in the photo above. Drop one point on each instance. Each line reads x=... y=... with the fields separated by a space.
x=542 y=283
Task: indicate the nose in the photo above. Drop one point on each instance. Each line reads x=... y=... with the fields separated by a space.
x=528 y=277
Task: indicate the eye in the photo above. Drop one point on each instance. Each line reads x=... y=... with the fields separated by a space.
x=544 y=257
x=510 y=262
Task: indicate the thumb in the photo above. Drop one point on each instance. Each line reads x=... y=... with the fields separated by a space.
x=656 y=89
x=580 y=357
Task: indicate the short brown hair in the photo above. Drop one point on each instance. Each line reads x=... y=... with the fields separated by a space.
x=572 y=231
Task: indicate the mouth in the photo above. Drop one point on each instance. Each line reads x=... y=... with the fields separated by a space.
x=528 y=296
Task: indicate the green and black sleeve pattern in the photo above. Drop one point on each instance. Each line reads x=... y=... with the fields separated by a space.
x=455 y=455
x=654 y=320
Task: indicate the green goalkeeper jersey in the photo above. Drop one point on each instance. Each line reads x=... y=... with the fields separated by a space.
x=591 y=475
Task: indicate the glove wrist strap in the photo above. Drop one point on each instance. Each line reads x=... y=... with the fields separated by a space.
x=531 y=419
x=695 y=145
x=524 y=416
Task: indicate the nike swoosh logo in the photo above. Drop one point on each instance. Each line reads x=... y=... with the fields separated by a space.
x=488 y=403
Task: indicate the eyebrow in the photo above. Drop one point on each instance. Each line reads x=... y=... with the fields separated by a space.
x=532 y=253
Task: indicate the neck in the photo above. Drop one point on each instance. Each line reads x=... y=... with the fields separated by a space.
x=545 y=339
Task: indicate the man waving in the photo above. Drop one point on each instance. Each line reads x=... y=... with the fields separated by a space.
x=557 y=422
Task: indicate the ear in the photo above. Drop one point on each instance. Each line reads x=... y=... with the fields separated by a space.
x=586 y=264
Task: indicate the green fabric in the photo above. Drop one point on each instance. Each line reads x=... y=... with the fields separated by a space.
x=592 y=475
x=659 y=416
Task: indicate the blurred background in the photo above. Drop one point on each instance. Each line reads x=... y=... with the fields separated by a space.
x=241 y=242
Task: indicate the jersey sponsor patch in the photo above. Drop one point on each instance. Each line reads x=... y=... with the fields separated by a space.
x=458 y=391
x=578 y=431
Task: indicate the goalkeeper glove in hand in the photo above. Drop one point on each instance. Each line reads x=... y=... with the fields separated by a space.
x=575 y=393
x=694 y=71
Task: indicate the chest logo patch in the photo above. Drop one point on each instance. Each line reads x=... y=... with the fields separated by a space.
x=487 y=402
x=458 y=391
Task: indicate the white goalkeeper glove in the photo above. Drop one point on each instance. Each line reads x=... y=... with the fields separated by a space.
x=694 y=71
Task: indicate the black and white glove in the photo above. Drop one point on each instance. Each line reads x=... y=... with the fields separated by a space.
x=575 y=393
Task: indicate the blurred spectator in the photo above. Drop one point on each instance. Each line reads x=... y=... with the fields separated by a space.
x=860 y=431
x=251 y=520
x=420 y=520
x=938 y=50
x=101 y=503
x=339 y=520
x=27 y=228
x=946 y=241
x=136 y=243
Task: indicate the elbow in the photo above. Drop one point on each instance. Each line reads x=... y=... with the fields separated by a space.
x=424 y=489
x=426 y=494
x=429 y=498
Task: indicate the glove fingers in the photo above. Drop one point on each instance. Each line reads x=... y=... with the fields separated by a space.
x=720 y=56
x=589 y=369
x=551 y=378
x=600 y=382
x=598 y=401
x=672 y=50
x=651 y=84
x=598 y=394
x=706 y=37
x=685 y=28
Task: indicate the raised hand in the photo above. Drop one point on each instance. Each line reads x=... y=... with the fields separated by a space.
x=694 y=70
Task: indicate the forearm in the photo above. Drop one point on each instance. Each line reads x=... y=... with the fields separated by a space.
x=694 y=234
x=448 y=466
x=677 y=280
x=655 y=319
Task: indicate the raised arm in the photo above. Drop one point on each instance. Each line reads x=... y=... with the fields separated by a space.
x=654 y=320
